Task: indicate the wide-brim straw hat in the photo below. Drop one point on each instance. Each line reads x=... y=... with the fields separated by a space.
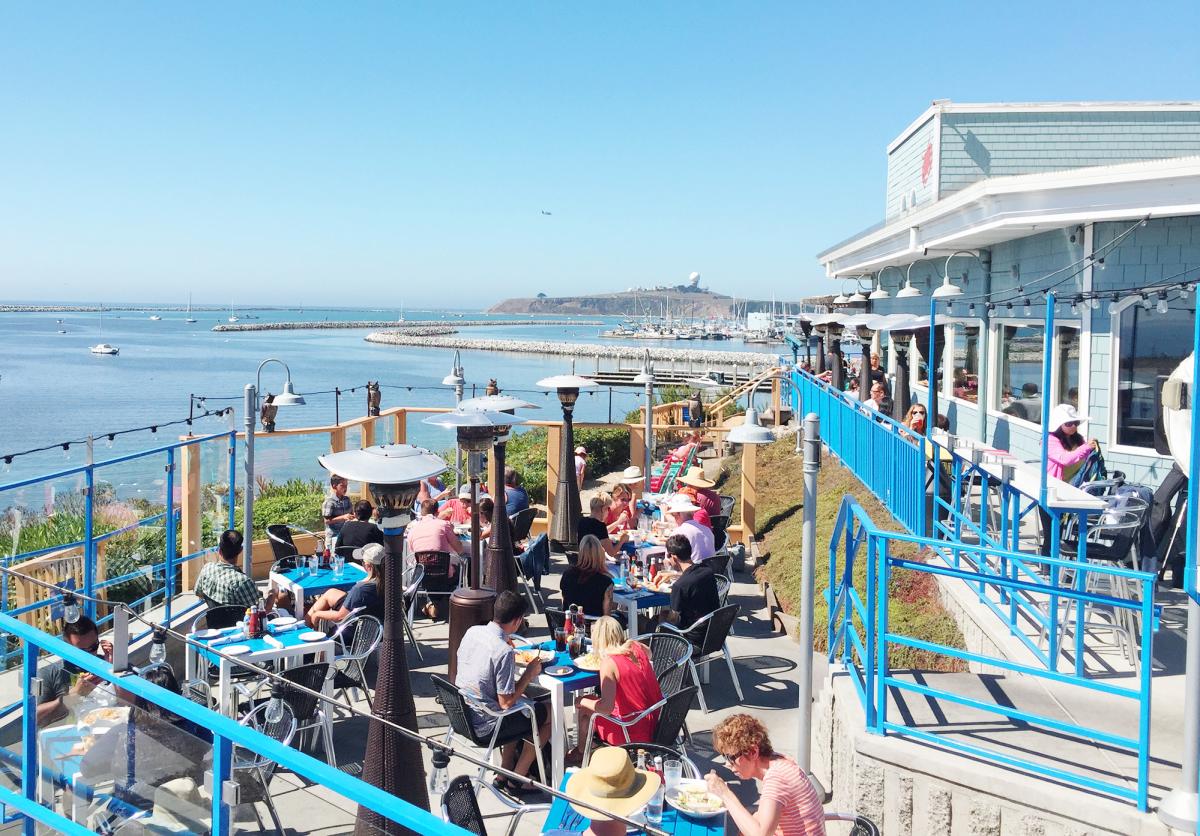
x=612 y=783
x=1064 y=413
x=632 y=475
x=680 y=504
x=695 y=477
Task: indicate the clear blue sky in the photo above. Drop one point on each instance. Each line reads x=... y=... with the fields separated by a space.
x=344 y=153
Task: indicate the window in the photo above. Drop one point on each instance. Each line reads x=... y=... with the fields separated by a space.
x=966 y=362
x=1066 y=381
x=1151 y=346
x=1020 y=366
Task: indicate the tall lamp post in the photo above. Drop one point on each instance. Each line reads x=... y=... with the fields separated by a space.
x=473 y=605
x=565 y=526
x=393 y=761
x=456 y=379
x=646 y=378
x=499 y=568
x=287 y=398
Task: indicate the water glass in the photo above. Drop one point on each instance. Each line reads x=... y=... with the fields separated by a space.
x=339 y=564
x=314 y=564
x=654 y=807
x=672 y=773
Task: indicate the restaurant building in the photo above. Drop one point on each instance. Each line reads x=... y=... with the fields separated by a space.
x=1097 y=202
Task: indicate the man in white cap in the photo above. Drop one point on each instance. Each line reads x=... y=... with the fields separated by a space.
x=581 y=457
x=681 y=509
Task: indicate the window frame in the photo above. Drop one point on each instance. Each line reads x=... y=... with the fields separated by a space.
x=1114 y=381
x=994 y=393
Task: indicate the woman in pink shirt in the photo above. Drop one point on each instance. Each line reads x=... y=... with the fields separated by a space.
x=1066 y=451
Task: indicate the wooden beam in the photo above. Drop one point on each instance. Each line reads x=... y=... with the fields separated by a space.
x=192 y=524
x=553 y=451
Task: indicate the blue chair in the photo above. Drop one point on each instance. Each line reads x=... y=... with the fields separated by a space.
x=533 y=563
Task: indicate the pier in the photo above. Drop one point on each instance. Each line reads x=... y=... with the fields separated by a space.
x=421 y=327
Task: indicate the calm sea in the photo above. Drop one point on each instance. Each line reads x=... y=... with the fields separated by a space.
x=52 y=389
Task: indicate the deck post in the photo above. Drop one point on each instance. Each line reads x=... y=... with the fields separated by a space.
x=189 y=513
x=808 y=568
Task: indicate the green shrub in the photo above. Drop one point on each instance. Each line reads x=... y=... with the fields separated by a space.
x=608 y=450
x=296 y=502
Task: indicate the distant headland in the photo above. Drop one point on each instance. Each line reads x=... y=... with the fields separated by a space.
x=680 y=301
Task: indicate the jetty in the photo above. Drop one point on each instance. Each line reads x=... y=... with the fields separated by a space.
x=422 y=327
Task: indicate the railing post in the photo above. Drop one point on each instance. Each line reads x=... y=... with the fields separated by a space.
x=1145 y=679
x=169 y=560
x=870 y=625
x=30 y=773
x=882 y=571
x=222 y=771
x=89 y=544
x=232 y=477
x=808 y=568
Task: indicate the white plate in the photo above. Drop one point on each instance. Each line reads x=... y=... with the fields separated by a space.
x=208 y=634
x=286 y=621
x=672 y=798
x=235 y=649
x=313 y=636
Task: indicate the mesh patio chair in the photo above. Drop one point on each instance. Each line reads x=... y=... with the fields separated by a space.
x=459 y=713
x=356 y=638
x=671 y=712
x=530 y=566
x=282 y=545
x=669 y=654
x=252 y=771
x=460 y=806
x=690 y=770
x=411 y=580
x=723 y=585
x=708 y=637
x=862 y=826
x=438 y=581
x=218 y=617
x=309 y=711
x=556 y=620
x=522 y=522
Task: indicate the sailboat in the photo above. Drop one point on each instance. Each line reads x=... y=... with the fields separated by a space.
x=400 y=318
x=190 y=318
x=232 y=315
x=102 y=347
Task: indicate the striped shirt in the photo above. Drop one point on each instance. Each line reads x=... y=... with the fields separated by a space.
x=800 y=812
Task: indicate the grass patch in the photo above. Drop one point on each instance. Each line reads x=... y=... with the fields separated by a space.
x=914 y=608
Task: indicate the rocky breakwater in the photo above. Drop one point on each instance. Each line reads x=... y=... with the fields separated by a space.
x=745 y=358
x=418 y=327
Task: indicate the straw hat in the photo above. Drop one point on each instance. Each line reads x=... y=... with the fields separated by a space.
x=632 y=475
x=1064 y=413
x=680 y=504
x=695 y=478
x=372 y=553
x=612 y=783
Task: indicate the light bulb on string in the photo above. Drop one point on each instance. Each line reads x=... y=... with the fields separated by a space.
x=949 y=309
x=109 y=440
x=70 y=608
x=1100 y=262
x=274 y=711
x=1008 y=308
x=158 y=645
x=66 y=452
x=1114 y=304
x=1027 y=309
x=971 y=310
x=1184 y=291
x=1146 y=303
x=1162 y=306
x=1075 y=306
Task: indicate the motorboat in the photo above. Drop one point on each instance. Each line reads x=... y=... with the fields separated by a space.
x=155 y=317
x=105 y=348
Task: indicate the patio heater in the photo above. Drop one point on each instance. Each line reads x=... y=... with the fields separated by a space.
x=471 y=606
x=288 y=397
x=837 y=377
x=564 y=527
x=499 y=569
x=749 y=434
x=806 y=328
x=393 y=761
x=864 y=371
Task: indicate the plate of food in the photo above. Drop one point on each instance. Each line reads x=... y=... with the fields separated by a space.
x=692 y=797
x=524 y=657
x=107 y=716
x=559 y=670
x=589 y=661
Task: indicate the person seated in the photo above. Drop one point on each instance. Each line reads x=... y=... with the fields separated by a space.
x=699 y=488
x=613 y=786
x=64 y=684
x=878 y=393
x=683 y=511
x=694 y=592
x=486 y=674
x=458 y=510
x=620 y=515
x=587 y=584
x=432 y=488
x=359 y=531
x=431 y=533
x=787 y=803
x=149 y=749
x=628 y=687
x=516 y=498
x=223 y=582
x=692 y=443
x=594 y=525
x=334 y=605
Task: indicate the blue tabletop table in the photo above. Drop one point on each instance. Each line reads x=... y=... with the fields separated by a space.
x=638 y=599
x=559 y=687
x=565 y=818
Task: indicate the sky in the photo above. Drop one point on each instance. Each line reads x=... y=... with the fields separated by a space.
x=386 y=153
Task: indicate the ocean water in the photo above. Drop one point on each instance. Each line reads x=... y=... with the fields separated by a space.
x=52 y=389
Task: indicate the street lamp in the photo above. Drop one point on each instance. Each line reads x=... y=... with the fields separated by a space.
x=456 y=379
x=393 y=473
x=289 y=397
x=565 y=526
x=499 y=570
x=475 y=429
x=646 y=377
x=749 y=434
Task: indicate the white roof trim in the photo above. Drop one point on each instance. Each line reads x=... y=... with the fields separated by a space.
x=1003 y=208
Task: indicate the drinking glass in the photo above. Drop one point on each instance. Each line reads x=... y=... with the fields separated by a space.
x=314 y=564
x=339 y=563
x=654 y=807
x=560 y=640
x=672 y=773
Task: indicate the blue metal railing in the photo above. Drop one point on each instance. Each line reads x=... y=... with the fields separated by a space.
x=161 y=574
x=226 y=734
x=861 y=637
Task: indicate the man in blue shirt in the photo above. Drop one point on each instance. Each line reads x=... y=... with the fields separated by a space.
x=515 y=497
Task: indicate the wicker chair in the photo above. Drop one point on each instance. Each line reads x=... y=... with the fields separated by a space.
x=671 y=711
x=862 y=826
x=461 y=807
x=308 y=710
x=669 y=655
x=690 y=770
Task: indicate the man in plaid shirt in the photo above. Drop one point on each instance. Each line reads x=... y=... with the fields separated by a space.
x=223 y=582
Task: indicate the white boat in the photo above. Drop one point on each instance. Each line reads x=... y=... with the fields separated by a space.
x=155 y=317
x=105 y=348
x=189 y=318
x=232 y=315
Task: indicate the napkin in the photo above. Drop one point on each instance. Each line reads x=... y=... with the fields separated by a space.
x=271 y=641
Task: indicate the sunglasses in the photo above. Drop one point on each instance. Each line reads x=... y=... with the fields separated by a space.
x=1070 y=424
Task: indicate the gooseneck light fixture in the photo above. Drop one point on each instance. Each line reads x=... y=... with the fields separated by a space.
x=908 y=291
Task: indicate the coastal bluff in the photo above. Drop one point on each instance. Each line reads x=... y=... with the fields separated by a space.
x=683 y=303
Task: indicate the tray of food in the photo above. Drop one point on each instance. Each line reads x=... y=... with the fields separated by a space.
x=692 y=797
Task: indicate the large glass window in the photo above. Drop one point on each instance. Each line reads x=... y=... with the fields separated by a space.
x=1067 y=369
x=1020 y=366
x=1151 y=346
x=966 y=362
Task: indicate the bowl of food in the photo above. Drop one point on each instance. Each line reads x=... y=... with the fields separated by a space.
x=692 y=798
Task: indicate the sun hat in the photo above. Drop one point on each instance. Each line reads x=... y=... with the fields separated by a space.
x=1064 y=413
x=612 y=783
x=632 y=475
x=371 y=553
x=680 y=504
x=581 y=450
x=464 y=491
x=695 y=477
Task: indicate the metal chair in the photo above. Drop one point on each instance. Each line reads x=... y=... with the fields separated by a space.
x=557 y=619
x=308 y=710
x=531 y=562
x=690 y=770
x=438 y=581
x=282 y=545
x=671 y=711
x=285 y=564
x=461 y=807
x=720 y=529
x=712 y=631
x=411 y=580
x=669 y=655
x=863 y=826
x=218 y=617
x=723 y=585
x=522 y=522
x=458 y=713
x=252 y=771
x=356 y=639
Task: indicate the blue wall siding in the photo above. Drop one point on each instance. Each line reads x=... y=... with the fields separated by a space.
x=980 y=145
x=904 y=170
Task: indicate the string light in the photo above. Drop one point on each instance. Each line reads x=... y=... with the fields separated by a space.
x=1075 y=306
x=1027 y=309
x=1146 y=303
x=950 y=309
x=1114 y=304
x=70 y=608
x=1163 y=307
x=1100 y=262
x=971 y=310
